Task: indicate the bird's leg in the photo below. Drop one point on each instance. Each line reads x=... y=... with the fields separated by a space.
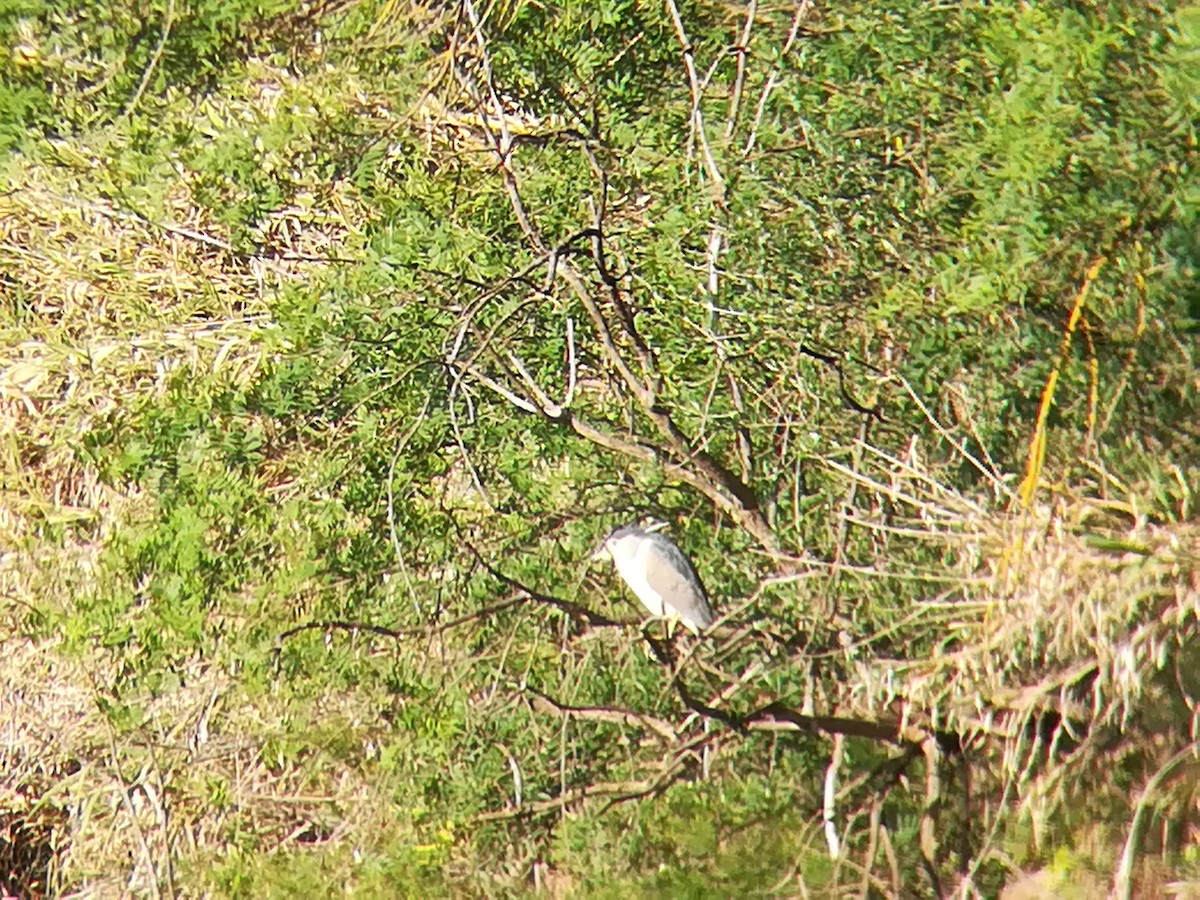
x=663 y=650
x=673 y=630
x=657 y=647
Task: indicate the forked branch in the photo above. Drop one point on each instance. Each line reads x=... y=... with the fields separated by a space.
x=680 y=456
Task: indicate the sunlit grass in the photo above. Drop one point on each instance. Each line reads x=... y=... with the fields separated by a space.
x=241 y=255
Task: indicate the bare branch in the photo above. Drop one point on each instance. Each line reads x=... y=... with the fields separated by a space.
x=828 y=807
x=548 y=406
x=627 y=717
x=395 y=633
x=689 y=64
x=999 y=486
x=720 y=484
x=802 y=11
x=572 y=368
x=739 y=81
x=617 y=791
x=517 y=401
x=574 y=610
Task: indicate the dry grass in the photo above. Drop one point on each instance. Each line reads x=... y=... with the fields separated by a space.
x=110 y=310
x=1067 y=659
x=196 y=780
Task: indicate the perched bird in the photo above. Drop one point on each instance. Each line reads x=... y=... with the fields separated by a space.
x=660 y=575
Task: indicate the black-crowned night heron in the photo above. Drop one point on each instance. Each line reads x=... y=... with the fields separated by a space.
x=659 y=575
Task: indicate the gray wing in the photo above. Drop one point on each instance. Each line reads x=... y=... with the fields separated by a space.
x=672 y=576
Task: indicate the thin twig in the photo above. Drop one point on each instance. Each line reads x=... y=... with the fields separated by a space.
x=168 y=20
x=802 y=10
x=628 y=717
x=395 y=633
x=828 y=807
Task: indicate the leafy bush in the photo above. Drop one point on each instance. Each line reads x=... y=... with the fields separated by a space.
x=339 y=334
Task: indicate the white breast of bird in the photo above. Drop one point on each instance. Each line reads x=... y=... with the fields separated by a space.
x=633 y=571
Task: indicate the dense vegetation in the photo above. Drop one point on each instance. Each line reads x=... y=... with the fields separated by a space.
x=335 y=336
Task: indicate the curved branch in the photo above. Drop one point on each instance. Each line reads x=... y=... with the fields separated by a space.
x=627 y=717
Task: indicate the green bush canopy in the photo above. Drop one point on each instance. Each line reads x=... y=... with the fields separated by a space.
x=335 y=335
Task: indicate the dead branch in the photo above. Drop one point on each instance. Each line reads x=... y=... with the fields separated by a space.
x=622 y=790
x=802 y=11
x=396 y=633
x=628 y=717
x=828 y=806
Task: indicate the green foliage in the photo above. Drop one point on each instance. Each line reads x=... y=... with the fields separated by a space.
x=123 y=50
x=908 y=195
x=390 y=864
